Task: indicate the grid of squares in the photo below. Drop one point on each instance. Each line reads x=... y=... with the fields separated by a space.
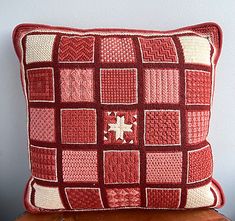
x=80 y=143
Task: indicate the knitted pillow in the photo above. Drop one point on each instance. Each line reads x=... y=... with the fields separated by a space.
x=119 y=118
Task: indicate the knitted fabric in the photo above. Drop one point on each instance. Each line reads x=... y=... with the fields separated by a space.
x=119 y=118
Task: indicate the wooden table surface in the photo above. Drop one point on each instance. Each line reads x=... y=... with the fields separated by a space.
x=129 y=215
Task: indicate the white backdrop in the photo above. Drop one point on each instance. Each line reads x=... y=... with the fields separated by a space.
x=147 y=14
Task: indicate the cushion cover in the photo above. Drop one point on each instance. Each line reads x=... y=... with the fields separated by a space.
x=119 y=118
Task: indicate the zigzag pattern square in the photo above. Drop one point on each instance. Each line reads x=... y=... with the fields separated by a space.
x=77 y=85
x=79 y=166
x=76 y=49
x=123 y=197
x=158 y=50
x=42 y=124
x=117 y=50
x=83 y=198
x=43 y=163
x=198 y=87
x=121 y=166
x=40 y=84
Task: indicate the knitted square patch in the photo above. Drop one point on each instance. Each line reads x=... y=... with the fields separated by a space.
x=120 y=127
x=197 y=126
x=77 y=85
x=162 y=127
x=39 y=48
x=43 y=163
x=123 y=197
x=42 y=124
x=83 y=198
x=119 y=86
x=200 y=196
x=119 y=118
x=198 y=87
x=74 y=49
x=79 y=166
x=196 y=49
x=163 y=198
x=78 y=126
x=47 y=197
x=163 y=167
x=121 y=167
x=157 y=50
x=199 y=164
x=161 y=86
x=117 y=50
x=40 y=84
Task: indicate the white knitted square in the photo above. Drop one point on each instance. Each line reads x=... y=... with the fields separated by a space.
x=196 y=49
x=199 y=197
x=39 y=48
x=47 y=197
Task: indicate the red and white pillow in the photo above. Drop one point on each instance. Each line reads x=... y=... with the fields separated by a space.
x=119 y=118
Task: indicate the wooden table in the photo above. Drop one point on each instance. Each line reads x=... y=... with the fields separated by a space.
x=129 y=215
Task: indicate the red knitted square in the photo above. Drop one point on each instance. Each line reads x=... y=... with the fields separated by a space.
x=162 y=127
x=80 y=166
x=197 y=126
x=78 y=126
x=76 y=49
x=198 y=87
x=163 y=198
x=77 y=85
x=40 y=84
x=42 y=124
x=119 y=86
x=83 y=198
x=120 y=127
x=161 y=86
x=43 y=163
x=158 y=50
x=163 y=167
x=123 y=197
x=117 y=50
x=199 y=164
x=121 y=166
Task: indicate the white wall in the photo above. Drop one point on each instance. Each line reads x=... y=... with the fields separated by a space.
x=147 y=14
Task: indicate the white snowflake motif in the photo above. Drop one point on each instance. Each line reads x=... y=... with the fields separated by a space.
x=120 y=127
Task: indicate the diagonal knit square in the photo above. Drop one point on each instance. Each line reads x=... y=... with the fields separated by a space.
x=157 y=50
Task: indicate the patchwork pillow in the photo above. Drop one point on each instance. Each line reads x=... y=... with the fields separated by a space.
x=119 y=118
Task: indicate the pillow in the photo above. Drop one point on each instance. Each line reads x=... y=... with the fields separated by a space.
x=119 y=118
